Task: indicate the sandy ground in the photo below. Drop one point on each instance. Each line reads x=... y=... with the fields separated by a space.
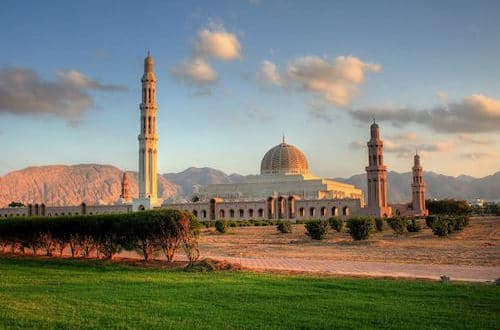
x=477 y=245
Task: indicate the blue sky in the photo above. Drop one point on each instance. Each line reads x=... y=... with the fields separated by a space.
x=438 y=58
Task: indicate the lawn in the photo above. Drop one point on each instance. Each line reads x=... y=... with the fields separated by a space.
x=40 y=293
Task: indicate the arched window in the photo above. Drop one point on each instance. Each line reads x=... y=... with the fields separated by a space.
x=250 y=213
x=242 y=213
x=335 y=212
x=203 y=214
x=345 y=211
x=301 y=212
x=195 y=213
x=323 y=211
x=222 y=214
x=261 y=213
x=312 y=212
x=231 y=213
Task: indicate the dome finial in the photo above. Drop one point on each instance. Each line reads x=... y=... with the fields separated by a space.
x=283 y=139
x=149 y=52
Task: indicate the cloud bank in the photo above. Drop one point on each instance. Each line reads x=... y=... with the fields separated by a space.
x=473 y=114
x=23 y=92
x=406 y=144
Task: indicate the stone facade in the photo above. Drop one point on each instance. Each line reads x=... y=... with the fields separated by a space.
x=54 y=211
x=272 y=208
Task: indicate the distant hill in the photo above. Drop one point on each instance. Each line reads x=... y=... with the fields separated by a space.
x=193 y=178
x=100 y=184
x=70 y=185
x=438 y=186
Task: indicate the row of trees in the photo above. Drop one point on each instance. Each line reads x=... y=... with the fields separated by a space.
x=103 y=236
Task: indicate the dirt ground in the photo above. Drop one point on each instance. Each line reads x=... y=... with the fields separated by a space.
x=478 y=244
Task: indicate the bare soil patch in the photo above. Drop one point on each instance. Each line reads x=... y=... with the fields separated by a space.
x=478 y=244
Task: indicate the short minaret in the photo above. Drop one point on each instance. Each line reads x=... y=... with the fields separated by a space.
x=418 y=188
x=148 y=141
x=376 y=172
x=125 y=197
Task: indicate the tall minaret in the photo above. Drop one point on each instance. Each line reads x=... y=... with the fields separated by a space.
x=418 y=188
x=376 y=172
x=148 y=140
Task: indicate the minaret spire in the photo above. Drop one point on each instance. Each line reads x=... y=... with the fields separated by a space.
x=376 y=172
x=148 y=140
x=418 y=188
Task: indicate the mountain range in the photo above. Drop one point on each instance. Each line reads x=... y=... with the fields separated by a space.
x=101 y=184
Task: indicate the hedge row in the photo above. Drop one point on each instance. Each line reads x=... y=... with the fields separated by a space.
x=147 y=232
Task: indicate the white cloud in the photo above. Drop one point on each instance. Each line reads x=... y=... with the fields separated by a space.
x=215 y=42
x=195 y=71
x=336 y=80
x=269 y=73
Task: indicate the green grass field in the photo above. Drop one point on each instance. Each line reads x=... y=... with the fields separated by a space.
x=87 y=294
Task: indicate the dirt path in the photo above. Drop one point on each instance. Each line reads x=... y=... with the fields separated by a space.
x=370 y=269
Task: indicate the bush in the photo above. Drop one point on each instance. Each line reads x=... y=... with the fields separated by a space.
x=441 y=226
x=429 y=220
x=360 y=228
x=379 y=224
x=413 y=226
x=460 y=222
x=399 y=225
x=317 y=229
x=444 y=226
x=284 y=227
x=221 y=226
x=336 y=223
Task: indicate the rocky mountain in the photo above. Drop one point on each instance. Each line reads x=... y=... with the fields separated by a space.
x=70 y=185
x=193 y=178
x=438 y=186
x=93 y=183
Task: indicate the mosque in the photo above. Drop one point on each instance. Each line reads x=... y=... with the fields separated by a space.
x=284 y=189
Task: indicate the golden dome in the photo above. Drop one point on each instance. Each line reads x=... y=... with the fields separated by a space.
x=284 y=159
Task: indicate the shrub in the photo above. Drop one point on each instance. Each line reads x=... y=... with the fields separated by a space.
x=429 y=220
x=336 y=223
x=284 y=227
x=379 y=224
x=360 y=228
x=399 y=225
x=413 y=226
x=317 y=229
x=460 y=222
x=441 y=226
x=221 y=226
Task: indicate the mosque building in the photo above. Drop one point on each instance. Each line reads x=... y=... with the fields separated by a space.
x=284 y=189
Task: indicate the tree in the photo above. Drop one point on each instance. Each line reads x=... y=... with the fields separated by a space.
x=16 y=204
x=448 y=207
